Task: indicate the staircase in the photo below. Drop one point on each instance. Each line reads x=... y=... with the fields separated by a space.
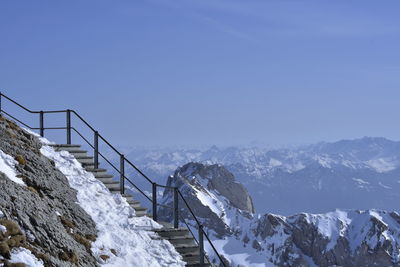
x=180 y=238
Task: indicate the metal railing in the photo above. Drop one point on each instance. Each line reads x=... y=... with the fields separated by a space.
x=121 y=170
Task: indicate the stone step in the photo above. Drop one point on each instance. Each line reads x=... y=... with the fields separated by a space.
x=128 y=197
x=85 y=159
x=187 y=248
x=96 y=171
x=141 y=213
x=197 y=264
x=115 y=190
x=106 y=180
x=163 y=232
x=134 y=203
x=180 y=240
x=65 y=147
x=112 y=186
x=193 y=259
x=103 y=175
x=88 y=164
x=140 y=209
x=78 y=153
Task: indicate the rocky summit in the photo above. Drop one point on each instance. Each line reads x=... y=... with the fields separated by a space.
x=212 y=192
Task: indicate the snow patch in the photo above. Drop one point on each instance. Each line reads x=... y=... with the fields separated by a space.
x=274 y=163
x=216 y=206
x=381 y=165
x=360 y=181
x=331 y=225
x=7 y=166
x=384 y=186
x=324 y=160
x=22 y=255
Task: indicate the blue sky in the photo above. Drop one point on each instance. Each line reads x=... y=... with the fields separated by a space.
x=208 y=72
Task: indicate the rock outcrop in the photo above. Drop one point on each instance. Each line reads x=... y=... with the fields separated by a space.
x=213 y=184
x=340 y=238
x=42 y=216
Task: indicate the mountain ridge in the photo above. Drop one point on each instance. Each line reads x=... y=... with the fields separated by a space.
x=351 y=174
x=337 y=238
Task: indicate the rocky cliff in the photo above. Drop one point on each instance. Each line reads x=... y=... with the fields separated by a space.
x=55 y=213
x=41 y=213
x=340 y=238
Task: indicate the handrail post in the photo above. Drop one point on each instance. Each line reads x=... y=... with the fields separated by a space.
x=68 y=126
x=176 y=215
x=154 y=201
x=201 y=246
x=41 y=124
x=122 y=172
x=96 y=149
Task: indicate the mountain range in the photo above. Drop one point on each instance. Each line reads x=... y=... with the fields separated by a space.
x=224 y=207
x=348 y=174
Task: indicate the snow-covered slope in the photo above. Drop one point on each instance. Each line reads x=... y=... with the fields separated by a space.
x=339 y=238
x=219 y=200
x=55 y=213
x=118 y=227
x=349 y=174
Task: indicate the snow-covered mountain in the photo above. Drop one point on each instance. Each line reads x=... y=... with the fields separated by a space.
x=349 y=174
x=339 y=238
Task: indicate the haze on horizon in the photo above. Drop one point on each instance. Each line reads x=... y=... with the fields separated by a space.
x=222 y=72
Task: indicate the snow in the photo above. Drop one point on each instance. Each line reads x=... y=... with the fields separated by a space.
x=1 y=214
x=360 y=181
x=331 y=225
x=118 y=227
x=362 y=184
x=7 y=166
x=3 y=229
x=274 y=163
x=384 y=186
x=209 y=199
x=238 y=255
x=382 y=165
x=22 y=255
x=324 y=160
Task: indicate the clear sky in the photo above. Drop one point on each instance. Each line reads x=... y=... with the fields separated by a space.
x=222 y=72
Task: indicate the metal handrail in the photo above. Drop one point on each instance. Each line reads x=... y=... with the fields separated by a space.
x=200 y=226
x=121 y=171
x=26 y=125
x=139 y=171
x=187 y=205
